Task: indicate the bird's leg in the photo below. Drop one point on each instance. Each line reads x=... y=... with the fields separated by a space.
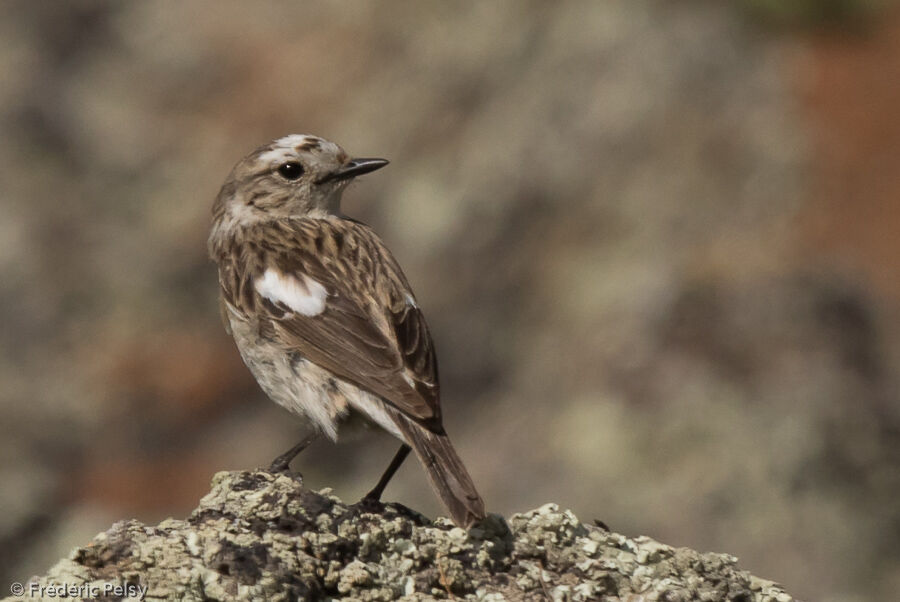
x=399 y=457
x=282 y=462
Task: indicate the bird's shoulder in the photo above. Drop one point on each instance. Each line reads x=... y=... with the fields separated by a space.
x=331 y=290
x=340 y=253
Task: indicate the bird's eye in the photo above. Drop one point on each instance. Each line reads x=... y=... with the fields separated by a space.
x=291 y=170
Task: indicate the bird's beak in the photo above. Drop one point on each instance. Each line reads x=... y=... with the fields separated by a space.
x=353 y=168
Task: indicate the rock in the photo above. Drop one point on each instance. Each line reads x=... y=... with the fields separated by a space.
x=263 y=536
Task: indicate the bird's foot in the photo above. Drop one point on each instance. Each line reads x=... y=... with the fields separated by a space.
x=367 y=505
x=370 y=503
x=282 y=463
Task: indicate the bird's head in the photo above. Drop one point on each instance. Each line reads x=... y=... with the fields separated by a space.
x=296 y=175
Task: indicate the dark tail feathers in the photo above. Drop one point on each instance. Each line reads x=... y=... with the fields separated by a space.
x=446 y=472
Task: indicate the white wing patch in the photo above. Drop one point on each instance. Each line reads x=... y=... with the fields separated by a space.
x=303 y=295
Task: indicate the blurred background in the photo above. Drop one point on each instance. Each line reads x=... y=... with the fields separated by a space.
x=657 y=243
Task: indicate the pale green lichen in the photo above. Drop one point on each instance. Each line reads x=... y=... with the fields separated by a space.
x=259 y=536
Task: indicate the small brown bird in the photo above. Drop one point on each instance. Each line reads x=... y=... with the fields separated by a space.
x=322 y=314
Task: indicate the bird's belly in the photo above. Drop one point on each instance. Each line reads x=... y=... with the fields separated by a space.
x=303 y=387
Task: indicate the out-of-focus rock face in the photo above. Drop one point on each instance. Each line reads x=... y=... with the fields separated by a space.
x=605 y=210
x=259 y=536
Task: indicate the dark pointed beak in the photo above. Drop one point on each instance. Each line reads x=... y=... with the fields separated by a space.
x=353 y=168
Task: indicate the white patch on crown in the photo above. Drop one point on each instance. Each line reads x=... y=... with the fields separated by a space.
x=303 y=295
x=285 y=148
x=293 y=140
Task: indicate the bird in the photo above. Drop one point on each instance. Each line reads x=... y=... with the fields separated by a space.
x=322 y=314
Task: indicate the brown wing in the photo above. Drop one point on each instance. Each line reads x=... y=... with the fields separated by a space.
x=370 y=331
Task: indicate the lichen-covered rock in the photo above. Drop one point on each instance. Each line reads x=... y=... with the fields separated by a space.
x=262 y=536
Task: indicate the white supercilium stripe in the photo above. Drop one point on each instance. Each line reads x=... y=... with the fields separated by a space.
x=306 y=296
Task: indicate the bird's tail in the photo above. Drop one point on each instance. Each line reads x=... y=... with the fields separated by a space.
x=446 y=472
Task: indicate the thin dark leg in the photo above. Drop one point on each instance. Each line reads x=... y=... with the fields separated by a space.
x=282 y=462
x=399 y=457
